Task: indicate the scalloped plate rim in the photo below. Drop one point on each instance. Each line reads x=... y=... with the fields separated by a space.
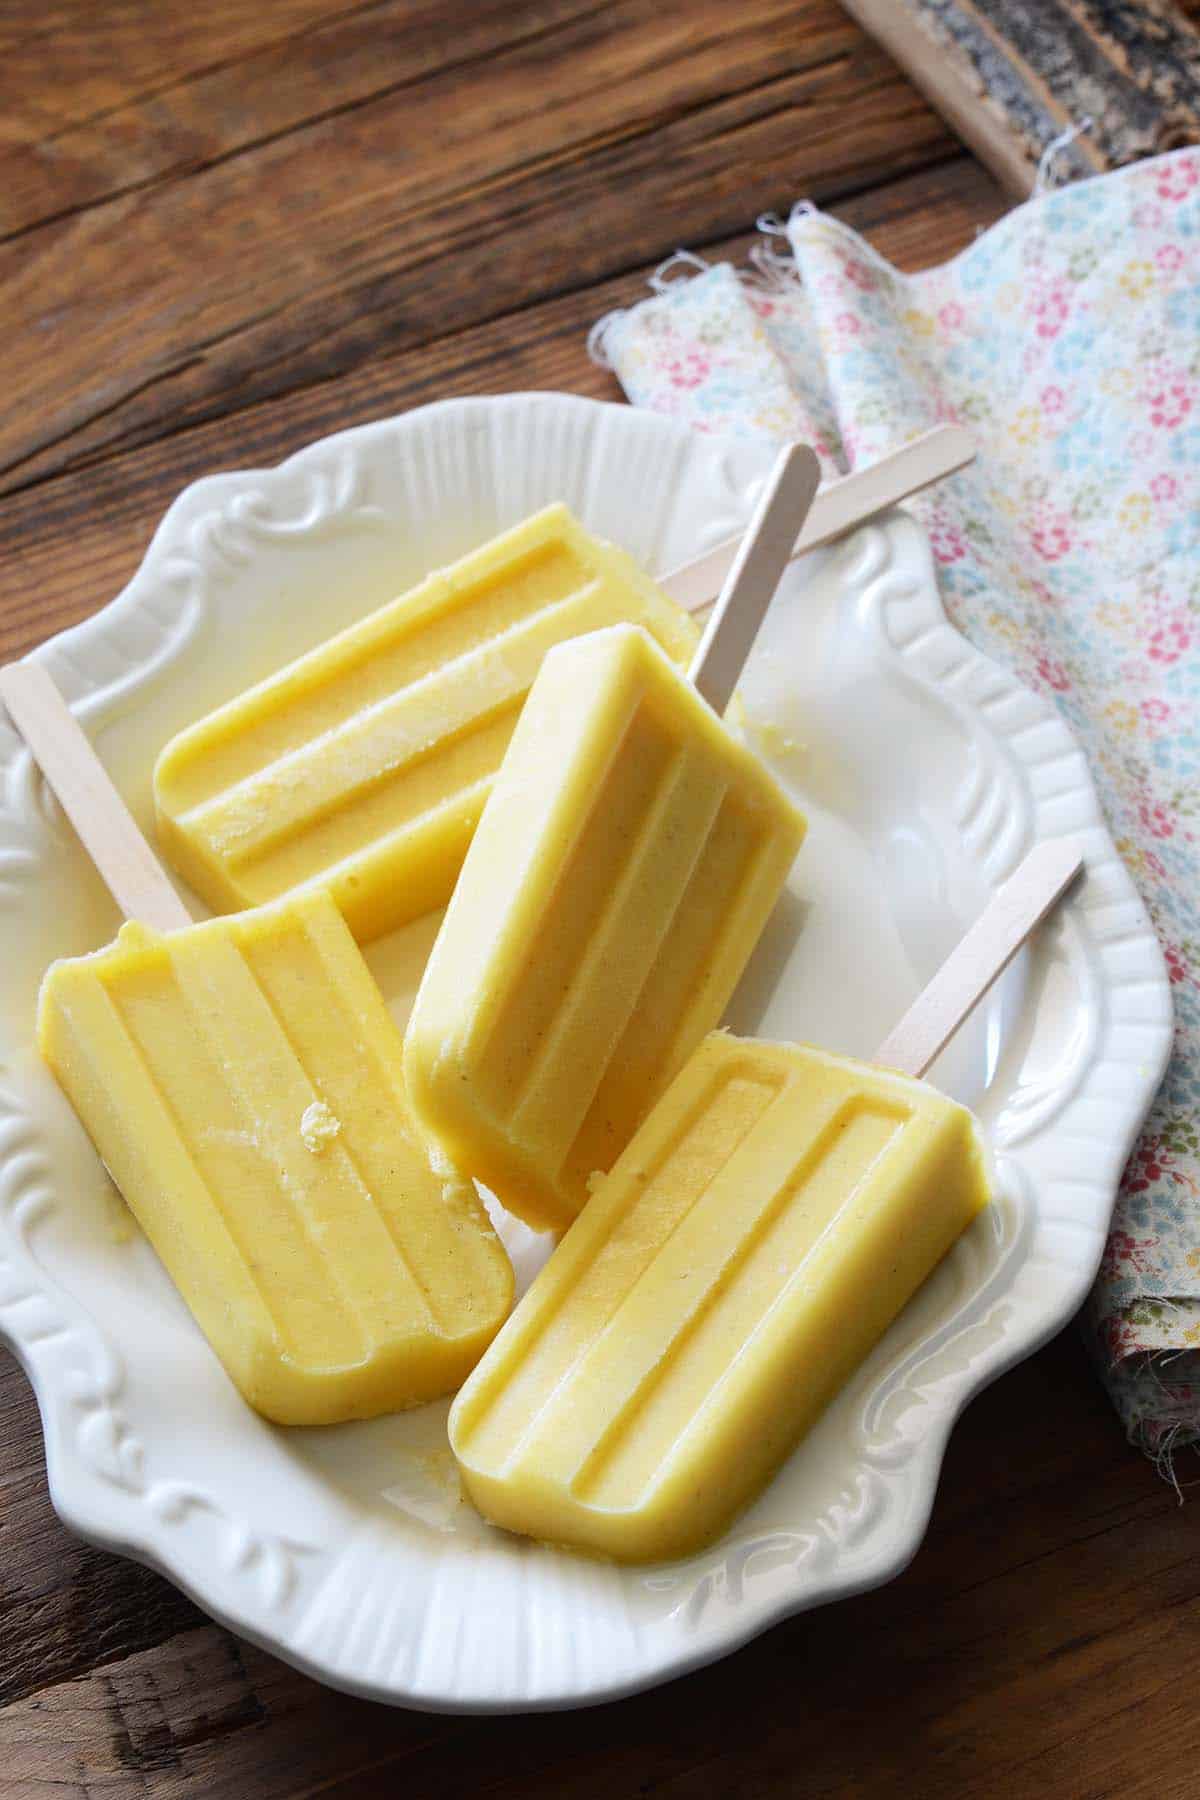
x=78 y=1494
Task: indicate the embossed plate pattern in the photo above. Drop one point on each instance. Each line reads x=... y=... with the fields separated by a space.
x=926 y=772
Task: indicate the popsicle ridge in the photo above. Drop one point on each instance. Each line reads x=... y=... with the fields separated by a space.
x=339 y=1264
x=381 y=742
x=543 y=1354
x=719 y=1287
x=364 y=765
x=536 y=1047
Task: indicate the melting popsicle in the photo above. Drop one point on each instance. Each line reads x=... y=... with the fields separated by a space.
x=769 y=1220
x=622 y=872
x=363 y=766
x=241 y=1080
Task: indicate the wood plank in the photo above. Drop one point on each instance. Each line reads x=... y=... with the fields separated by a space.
x=1010 y=77
x=957 y=1680
x=68 y=544
x=178 y=89
x=427 y=212
x=65 y=65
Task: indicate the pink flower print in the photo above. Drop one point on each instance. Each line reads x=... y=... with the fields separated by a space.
x=761 y=305
x=1169 y=403
x=1053 y=673
x=1156 y=819
x=1169 y=257
x=1177 y=969
x=1123 y=1249
x=1147 y=218
x=1177 y=179
x=1155 y=864
x=1156 y=712
x=1170 y=639
x=951 y=316
x=687 y=370
x=860 y=273
x=1051 y=537
x=1155 y=1159
x=1119 y=1335
x=947 y=541
x=1164 y=487
x=848 y=323
x=1050 y=310
x=1053 y=399
x=1143 y=1167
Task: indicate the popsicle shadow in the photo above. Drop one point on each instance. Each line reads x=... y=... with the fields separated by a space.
x=760 y=979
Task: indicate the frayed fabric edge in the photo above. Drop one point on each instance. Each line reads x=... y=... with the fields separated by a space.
x=1160 y=1443
x=767 y=270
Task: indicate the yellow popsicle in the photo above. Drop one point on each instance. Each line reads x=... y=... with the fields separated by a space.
x=364 y=765
x=622 y=872
x=242 y=1081
x=767 y=1223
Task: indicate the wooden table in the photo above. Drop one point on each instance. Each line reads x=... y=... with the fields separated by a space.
x=224 y=230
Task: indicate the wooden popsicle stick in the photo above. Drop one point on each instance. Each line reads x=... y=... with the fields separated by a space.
x=838 y=508
x=103 y=822
x=762 y=557
x=982 y=956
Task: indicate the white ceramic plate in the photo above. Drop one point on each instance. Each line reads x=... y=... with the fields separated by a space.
x=926 y=773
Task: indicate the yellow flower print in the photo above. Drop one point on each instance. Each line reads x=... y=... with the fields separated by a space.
x=1007 y=296
x=1133 y=856
x=1112 y=615
x=918 y=322
x=1123 y=716
x=1027 y=425
x=1006 y=628
x=1192 y=1335
x=1117 y=382
x=1133 y=514
x=1137 y=278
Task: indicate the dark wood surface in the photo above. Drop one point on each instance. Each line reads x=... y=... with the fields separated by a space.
x=1012 y=76
x=224 y=230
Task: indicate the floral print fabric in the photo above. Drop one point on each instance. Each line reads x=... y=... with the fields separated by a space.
x=1068 y=338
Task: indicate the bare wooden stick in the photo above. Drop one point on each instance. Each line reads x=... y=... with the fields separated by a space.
x=104 y=823
x=838 y=508
x=982 y=956
x=760 y=561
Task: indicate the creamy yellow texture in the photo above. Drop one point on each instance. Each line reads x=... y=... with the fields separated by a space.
x=772 y=1216
x=242 y=1081
x=624 y=867
x=364 y=765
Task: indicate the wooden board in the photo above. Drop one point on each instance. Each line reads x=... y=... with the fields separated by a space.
x=1010 y=76
x=216 y=249
x=69 y=541
x=1043 y=1642
x=227 y=229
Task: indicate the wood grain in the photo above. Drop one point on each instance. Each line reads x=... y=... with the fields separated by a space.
x=403 y=216
x=1035 y=1646
x=69 y=543
x=225 y=230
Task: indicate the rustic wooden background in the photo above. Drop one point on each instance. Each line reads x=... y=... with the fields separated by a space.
x=224 y=230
